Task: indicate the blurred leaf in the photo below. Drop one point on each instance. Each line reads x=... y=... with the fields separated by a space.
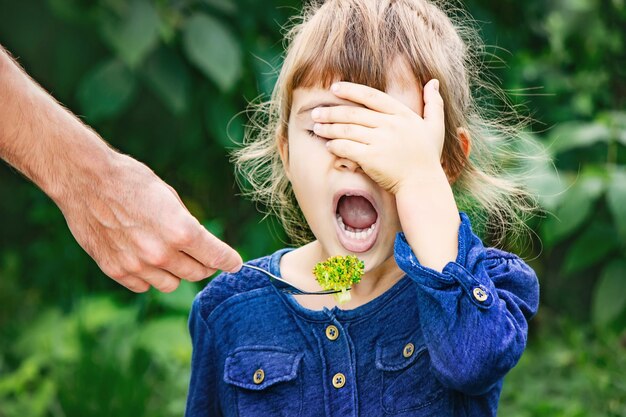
x=576 y=205
x=540 y=175
x=213 y=49
x=223 y=121
x=135 y=34
x=106 y=91
x=169 y=78
x=616 y=198
x=609 y=298
x=617 y=122
x=179 y=300
x=72 y=10
x=578 y=134
x=27 y=371
x=226 y=6
x=98 y=312
x=215 y=227
x=590 y=248
x=167 y=339
x=266 y=61
x=51 y=336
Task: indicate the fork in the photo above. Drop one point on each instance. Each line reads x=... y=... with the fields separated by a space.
x=291 y=289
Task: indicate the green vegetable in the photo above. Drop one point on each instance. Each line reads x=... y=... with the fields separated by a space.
x=339 y=273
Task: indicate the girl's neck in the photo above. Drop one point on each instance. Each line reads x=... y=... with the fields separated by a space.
x=297 y=267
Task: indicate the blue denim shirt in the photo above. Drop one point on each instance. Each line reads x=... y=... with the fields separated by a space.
x=435 y=344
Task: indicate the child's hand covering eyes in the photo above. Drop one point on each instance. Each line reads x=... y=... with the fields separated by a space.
x=390 y=142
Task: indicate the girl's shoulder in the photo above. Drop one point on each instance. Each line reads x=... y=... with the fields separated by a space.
x=227 y=285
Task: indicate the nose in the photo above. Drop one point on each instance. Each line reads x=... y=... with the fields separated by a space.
x=346 y=164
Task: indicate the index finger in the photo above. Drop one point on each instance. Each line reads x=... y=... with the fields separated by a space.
x=369 y=97
x=213 y=253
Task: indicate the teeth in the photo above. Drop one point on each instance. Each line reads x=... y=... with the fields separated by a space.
x=358 y=234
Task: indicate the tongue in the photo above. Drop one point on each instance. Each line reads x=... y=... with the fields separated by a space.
x=356 y=212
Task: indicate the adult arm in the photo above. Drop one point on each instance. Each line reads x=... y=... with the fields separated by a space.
x=126 y=218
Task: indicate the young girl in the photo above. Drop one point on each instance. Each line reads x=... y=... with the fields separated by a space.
x=371 y=124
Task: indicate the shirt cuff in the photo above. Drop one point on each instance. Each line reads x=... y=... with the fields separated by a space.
x=465 y=271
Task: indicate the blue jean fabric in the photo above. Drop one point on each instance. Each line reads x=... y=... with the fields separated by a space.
x=435 y=344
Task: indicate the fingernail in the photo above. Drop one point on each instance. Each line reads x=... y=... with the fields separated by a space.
x=436 y=85
x=334 y=88
x=315 y=113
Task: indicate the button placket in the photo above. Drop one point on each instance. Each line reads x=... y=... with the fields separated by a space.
x=339 y=368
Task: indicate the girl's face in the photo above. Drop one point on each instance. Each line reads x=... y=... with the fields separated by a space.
x=347 y=212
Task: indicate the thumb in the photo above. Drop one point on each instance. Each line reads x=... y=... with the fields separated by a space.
x=433 y=105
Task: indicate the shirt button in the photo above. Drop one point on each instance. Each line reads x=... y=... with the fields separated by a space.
x=332 y=333
x=259 y=376
x=408 y=350
x=480 y=294
x=339 y=380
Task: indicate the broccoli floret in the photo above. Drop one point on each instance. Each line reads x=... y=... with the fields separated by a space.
x=339 y=273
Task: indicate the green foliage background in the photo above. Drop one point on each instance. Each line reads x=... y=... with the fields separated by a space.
x=165 y=80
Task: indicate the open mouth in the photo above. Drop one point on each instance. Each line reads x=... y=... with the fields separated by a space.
x=357 y=220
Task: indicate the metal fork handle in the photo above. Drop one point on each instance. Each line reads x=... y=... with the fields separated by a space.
x=291 y=289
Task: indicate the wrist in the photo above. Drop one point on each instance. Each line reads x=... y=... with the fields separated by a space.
x=84 y=163
x=422 y=180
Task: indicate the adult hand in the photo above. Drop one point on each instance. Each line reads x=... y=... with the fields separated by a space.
x=137 y=229
x=131 y=222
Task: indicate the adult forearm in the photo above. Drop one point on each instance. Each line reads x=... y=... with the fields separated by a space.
x=43 y=140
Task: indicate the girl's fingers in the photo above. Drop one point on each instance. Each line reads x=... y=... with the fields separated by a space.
x=353 y=132
x=369 y=97
x=348 y=114
x=433 y=105
x=348 y=149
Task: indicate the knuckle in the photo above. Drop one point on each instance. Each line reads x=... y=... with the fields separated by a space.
x=133 y=283
x=346 y=130
x=113 y=271
x=157 y=256
x=191 y=273
x=133 y=266
x=183 y=236
x=169 y=285
x=198 y=275
x=138 y=286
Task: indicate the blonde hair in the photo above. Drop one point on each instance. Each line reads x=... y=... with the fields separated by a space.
x=357 y=40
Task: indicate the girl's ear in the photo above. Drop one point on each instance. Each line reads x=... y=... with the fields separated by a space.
x=466 y=146
x=283 y=151
x=464 y=140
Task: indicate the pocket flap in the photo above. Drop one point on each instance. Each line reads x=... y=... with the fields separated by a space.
x=397 y=354
x=259 y=367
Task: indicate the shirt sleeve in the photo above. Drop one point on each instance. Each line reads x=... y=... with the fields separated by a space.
x=202 y=396
x=474 y=314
